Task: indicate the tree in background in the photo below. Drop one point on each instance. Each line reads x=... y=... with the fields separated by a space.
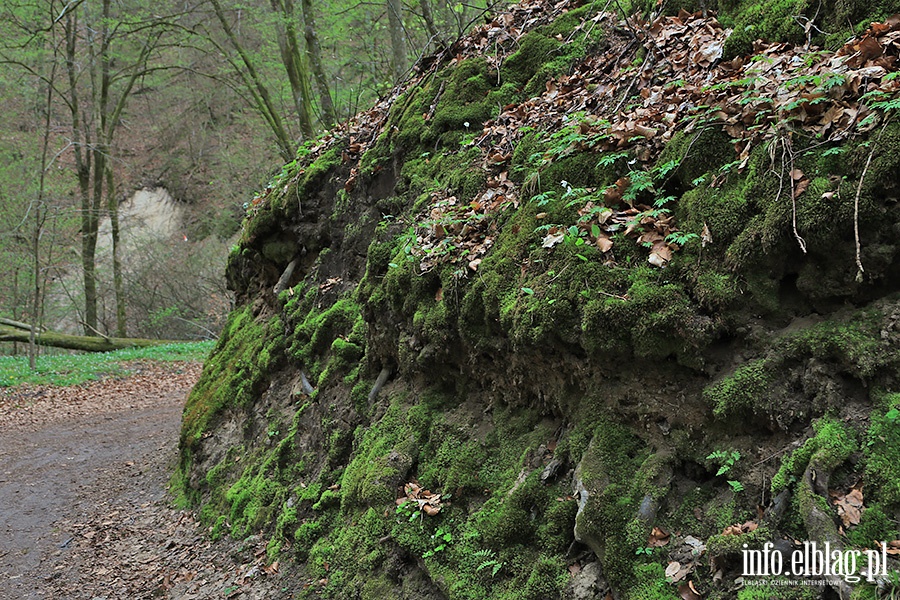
x=327 y=116
x=107 y=52
x=202 y=98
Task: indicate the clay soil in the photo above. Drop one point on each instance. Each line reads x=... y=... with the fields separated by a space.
x=84 y=510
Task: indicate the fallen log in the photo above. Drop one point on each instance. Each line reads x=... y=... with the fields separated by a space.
x=77 y=342
x=18 y=324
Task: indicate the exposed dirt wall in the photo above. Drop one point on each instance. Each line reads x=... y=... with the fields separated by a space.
x=583 y=308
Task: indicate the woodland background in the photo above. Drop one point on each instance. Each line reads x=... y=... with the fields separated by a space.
x=105 y=97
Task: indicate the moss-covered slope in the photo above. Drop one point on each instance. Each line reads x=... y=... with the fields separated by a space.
x=558 y=314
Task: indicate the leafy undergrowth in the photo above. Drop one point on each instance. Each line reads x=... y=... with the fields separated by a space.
x=73 y=369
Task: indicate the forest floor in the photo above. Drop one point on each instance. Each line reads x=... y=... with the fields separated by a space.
x=84 y=510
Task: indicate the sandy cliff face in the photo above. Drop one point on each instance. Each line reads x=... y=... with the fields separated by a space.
x=583 y=308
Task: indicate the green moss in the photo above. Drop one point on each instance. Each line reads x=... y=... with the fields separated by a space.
x=874 y=526
x=650 y=584
x=556 y=535
x=301 y=179
x=744 y=390
x=535 y=49
x=723 y=545
x=547 y=579
x=724 y=211
x=579 y=170
x=715 y=291
x=882 y=452
x=608 y=522
x=383 y=451
x=832 y=443
x=234 y=372
x=654 y=318
x=771 y=20
x=329 y=343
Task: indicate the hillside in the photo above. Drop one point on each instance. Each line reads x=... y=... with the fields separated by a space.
x=589 y=303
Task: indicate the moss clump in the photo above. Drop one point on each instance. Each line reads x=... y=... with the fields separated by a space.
x=771 y=20
x=329 y=343
x=724 y=211
x=608 y=521
x=650 y=584
x=882 y=451
x=851 y=345
x=832 y=442
x=349 y=554
x=874 y=526
x=715 y=291
x=235 y=371
x=745 y=390
x=547 y=578
x=697 y=153
x=723 y=545
x=654 y=318
x=300 y=179
x=535 y=49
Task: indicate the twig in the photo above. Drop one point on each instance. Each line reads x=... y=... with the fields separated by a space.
x=625 y=298
x=787 y=153
x=799 y=239
x=558 y=275
x=633 y=81
x=859 y=266
x=768 y=458
x=103 y=335
x=434 y=104
x=199 y=326
x=625 y=18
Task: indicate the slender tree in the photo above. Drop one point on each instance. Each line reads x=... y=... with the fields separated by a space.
x=254 y=84
x=327 y=115
x=97 y=97
x=295 y=64
x=398 y=41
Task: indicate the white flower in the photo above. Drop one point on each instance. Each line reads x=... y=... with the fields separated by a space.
x=466 y=124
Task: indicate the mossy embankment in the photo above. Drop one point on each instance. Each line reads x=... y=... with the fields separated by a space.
x=464 y=370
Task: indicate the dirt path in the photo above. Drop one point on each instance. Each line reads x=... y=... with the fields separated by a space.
x=83 y=505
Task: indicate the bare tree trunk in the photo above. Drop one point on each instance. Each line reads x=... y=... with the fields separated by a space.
x=257 y=89
x=15 y=307
x=428 y=17
x=39 y=217
x=314 y=51
x=118 y=285
x=398 y=43
x=294 y=63
x=36 y=298
x=84 y=161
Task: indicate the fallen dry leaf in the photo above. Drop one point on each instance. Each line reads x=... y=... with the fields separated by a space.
x=658 y=538
x=849 y=506
x=687 y=592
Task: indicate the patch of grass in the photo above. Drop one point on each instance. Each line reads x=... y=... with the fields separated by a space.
x=74 y=369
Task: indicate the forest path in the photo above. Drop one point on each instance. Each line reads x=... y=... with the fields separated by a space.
x=84 y=511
